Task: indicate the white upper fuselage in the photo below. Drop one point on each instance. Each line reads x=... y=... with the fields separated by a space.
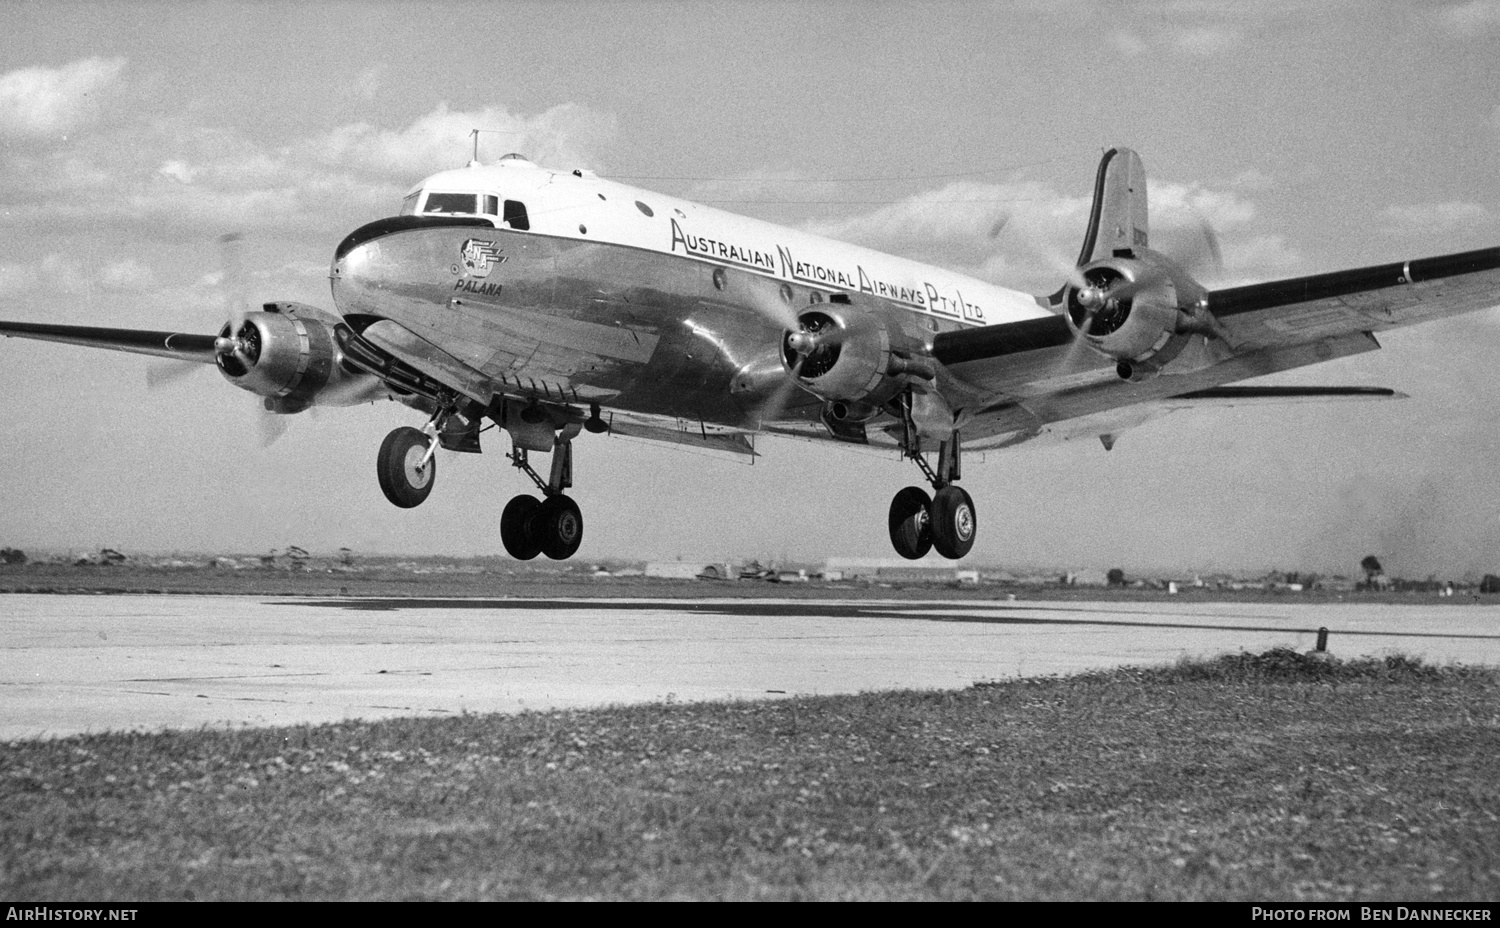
x=582 y=206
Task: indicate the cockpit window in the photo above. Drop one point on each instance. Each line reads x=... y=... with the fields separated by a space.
x=515 y=215
x=449 y=203
x=491 y=205
x=409 y=204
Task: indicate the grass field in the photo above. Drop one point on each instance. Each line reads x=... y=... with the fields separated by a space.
x=1267 y=777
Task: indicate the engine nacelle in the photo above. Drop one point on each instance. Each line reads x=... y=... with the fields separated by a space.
x=843 y=355
x=289 y=355
x=1128 y=312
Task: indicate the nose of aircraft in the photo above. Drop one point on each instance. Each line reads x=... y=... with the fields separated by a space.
x=390 y=260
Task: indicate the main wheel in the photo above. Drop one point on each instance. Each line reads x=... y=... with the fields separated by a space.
x=403 y=478
x=953 y=522
x=910 y=523
x=558 y=527
x=515 y=528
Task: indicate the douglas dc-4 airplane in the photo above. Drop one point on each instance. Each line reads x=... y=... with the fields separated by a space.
x=553 y=303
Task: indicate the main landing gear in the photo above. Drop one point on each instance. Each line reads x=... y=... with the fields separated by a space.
x=945 y=520
x=552 y=526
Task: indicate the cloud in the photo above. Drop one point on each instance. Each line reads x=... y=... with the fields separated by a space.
x=566 y=136
x=126 y=276
x=367 y=83
x=1127 y=43
x=1025 y=234
x=171 y=176
x=40 y=102
x=1470 y=20
x=1438 y=220
x=72 y=275
x=1205 y=41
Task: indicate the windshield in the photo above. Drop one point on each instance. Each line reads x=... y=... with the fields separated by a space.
x=450 y=203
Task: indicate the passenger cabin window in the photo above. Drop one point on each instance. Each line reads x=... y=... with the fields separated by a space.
x=515 y=215
x=449 y=203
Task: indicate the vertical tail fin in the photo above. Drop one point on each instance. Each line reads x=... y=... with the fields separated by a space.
x=1117 y=222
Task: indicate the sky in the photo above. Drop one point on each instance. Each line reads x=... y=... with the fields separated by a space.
x=1311 y=137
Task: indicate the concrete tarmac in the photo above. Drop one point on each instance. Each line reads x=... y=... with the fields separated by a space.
x=72 y=664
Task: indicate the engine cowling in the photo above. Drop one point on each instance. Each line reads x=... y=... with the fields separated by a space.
x=1128 y=310
x=844 y=356
x=289 y=355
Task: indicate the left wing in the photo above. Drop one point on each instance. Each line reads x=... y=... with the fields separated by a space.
x=1026 y=373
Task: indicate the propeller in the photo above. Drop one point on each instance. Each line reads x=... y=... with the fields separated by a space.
x=232 y=293
x=1100 y=293
x=807 y=341
x=774 y=406
x=239 y=345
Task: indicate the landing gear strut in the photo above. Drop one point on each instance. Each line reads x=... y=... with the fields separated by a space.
x=552 y=526
x=945 y=521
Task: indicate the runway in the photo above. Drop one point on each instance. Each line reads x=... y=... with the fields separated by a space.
x=71 y=664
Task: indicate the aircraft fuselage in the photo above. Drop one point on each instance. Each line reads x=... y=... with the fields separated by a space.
x=583 y=290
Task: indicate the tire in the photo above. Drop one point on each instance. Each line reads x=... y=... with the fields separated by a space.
x=953 y=522
x=910 y=523
x=558 y=526
x=400 y=479
x=515 y=528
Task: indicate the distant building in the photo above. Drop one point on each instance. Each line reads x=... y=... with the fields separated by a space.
x=892 y=569
x=674 y=570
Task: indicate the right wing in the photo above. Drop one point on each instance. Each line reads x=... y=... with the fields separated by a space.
x=177 y=345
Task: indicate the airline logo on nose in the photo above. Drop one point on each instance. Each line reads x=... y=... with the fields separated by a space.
x=480 y=257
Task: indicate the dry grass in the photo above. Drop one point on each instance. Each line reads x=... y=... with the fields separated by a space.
x=1250 y=777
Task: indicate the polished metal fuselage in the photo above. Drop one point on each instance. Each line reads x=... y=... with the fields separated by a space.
x=578 y=322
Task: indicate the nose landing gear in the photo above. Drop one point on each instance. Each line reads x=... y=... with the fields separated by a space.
x=406 y=467
x=552 y=526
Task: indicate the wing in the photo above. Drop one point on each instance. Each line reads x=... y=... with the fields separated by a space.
x=1018 y=377
x=178 y=345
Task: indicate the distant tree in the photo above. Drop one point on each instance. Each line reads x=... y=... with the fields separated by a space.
x=1371 y=566
x=1116 y=576
x=12 y=556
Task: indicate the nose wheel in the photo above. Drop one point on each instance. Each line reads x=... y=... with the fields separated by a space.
x=406 y=467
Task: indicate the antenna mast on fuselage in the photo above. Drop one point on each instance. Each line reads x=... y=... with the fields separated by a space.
x=475 y=134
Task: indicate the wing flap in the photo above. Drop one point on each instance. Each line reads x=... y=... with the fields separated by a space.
x=682 y=432
x=176 y=345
